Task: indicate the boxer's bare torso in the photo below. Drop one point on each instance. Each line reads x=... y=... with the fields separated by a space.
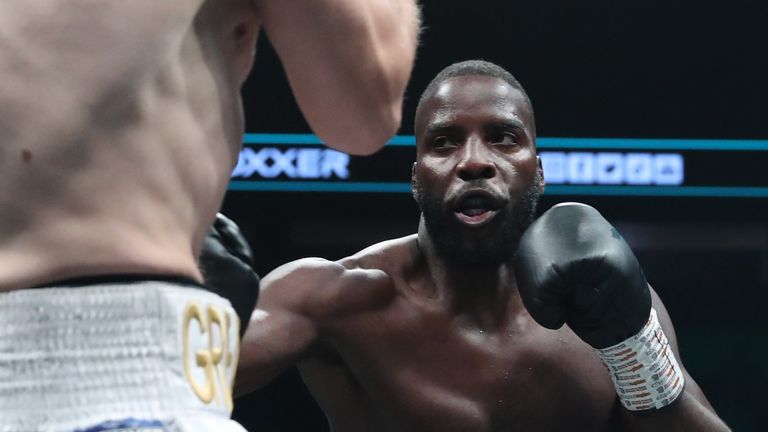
x=121 y=122
x=412 y=364
x=384 y=349
x=428 y=332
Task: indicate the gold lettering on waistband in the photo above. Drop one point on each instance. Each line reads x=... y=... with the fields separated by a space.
x=219 y=363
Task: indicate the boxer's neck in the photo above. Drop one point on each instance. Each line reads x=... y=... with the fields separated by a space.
x=484 y=294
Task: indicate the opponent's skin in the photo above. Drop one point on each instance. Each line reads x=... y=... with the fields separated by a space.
x=395 y=338
x=121 y=121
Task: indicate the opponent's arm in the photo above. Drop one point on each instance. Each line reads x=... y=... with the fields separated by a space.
x=348 y=62
x=573 y=267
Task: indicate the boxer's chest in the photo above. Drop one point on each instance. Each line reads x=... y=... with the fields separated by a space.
x=427 y=372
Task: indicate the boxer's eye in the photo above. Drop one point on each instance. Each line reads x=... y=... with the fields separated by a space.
x=443 y=142
x=503 y=139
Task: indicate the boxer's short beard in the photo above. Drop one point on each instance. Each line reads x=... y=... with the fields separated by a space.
x=448 y=243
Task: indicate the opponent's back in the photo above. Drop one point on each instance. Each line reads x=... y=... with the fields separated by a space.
x=121 y=122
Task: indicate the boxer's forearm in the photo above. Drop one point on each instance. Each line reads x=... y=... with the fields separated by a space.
x=573 y=266
x=688 y=414
x=274 y=341
x=348 y=62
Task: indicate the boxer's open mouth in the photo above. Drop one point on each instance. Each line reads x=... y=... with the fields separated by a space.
x=476 y=209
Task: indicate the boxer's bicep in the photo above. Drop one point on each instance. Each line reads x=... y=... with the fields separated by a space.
x=348 y=62
x=283 y=328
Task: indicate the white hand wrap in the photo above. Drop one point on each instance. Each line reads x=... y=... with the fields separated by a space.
x=644 y=369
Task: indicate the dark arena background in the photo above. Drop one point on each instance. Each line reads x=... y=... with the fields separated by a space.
x=655 y=112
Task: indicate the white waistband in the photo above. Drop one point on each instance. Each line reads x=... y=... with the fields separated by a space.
x=73 y=357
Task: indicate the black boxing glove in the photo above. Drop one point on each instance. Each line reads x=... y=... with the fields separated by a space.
x=226 y=261
x=573 y=267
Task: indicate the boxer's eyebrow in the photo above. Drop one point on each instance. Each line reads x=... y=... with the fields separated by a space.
x=442 y=127
x=506 y=124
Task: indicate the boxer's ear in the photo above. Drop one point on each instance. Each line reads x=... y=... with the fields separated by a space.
x=540 y=168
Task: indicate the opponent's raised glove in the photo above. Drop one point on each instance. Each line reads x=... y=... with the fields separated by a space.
x=573 y=267
x=226 y=261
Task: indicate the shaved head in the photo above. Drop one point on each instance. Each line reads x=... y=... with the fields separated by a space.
x=472 y=67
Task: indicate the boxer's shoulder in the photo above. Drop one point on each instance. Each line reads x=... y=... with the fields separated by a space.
x=324 y=289
x=390 y=256
x=301 y=278
x=328 y=289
